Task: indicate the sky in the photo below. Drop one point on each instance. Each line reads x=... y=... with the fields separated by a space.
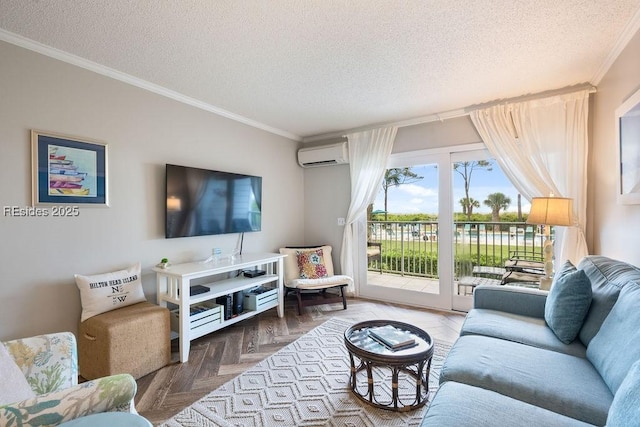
x=422 y=196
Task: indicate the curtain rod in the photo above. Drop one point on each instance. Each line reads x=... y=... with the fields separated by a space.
x=533 y=96
x=452 y=114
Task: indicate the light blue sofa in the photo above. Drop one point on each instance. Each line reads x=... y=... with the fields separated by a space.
x=508 y=367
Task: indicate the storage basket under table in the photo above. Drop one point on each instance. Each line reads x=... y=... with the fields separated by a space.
x=256 y=299
x=201 y=315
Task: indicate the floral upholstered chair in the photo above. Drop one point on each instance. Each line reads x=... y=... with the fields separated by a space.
x=49 y=363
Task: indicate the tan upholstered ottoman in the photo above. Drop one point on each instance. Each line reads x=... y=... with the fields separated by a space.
x=133 y=340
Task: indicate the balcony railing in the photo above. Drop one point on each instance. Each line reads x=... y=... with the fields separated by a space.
x=411 y=248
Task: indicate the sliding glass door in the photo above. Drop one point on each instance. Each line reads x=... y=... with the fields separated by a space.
x=404 y=225
x=415 y=255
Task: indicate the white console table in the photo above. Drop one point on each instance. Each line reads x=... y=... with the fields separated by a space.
x=197 y=315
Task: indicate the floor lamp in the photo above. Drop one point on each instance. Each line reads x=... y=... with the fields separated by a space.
x=548 y=211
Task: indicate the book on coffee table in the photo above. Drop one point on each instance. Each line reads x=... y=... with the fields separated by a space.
x=392 y=337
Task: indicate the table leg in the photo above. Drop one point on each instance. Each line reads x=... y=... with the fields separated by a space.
x=370 y=380
x=352 y=379
x=394 y=387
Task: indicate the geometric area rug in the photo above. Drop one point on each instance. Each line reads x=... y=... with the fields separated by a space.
x=305 y=383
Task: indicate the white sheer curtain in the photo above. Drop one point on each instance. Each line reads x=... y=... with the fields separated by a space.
x=368 y=155
x=542 y=146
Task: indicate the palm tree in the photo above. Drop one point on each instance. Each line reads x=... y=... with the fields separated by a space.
x=465 y=170
x=467 y=206
x=395 y=177
x=497 y=202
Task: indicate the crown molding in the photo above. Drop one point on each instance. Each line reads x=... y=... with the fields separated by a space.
x=69 y=58
x=625 y=37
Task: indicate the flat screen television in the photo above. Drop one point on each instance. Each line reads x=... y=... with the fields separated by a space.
x=203 y=202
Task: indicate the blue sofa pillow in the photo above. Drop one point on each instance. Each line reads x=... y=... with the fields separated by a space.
x=625 y=408
x=616 y=346
x=568 y=302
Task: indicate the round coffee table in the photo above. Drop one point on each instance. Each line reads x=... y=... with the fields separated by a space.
x=396 y=380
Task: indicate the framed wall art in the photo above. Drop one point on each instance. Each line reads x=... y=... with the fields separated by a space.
x=628 y=134
x=68 y=170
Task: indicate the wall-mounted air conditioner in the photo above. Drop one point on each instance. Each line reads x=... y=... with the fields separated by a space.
x=323 y=155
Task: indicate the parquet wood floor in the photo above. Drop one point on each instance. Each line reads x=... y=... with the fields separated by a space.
x=220 y=356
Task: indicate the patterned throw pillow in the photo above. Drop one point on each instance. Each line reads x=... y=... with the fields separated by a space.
x=106 y=292
x=311 y=264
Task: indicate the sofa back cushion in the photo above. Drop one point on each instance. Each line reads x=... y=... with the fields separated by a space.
x=607 y=277
x=616 y=346
x=625 y=408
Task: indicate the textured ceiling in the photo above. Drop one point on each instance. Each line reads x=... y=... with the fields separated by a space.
x=304 y=68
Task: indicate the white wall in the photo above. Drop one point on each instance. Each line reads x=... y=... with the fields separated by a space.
x=447 y=133
x=327 y=194
x=39 y=256
x=612 y=228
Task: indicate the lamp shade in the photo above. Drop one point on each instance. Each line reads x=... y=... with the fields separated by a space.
x=551 y=211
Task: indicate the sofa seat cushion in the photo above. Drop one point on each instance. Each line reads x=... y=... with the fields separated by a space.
x=522 y=329
x=616 y=346
x=559 y=382
x=456 y=404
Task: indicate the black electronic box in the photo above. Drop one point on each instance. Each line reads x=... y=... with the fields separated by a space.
x=254 y=273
